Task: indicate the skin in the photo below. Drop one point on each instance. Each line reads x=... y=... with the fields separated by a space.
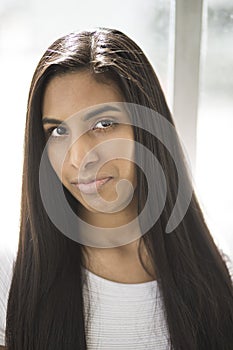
x=75 y=94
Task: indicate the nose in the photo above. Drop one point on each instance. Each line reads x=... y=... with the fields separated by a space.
x=82 y=153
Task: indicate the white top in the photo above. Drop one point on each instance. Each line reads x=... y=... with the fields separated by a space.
x=122 y=316
x=6 y=266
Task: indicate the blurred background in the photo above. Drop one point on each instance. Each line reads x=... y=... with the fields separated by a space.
x=189 y=44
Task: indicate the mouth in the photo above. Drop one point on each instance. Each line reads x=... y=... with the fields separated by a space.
x=91 y=187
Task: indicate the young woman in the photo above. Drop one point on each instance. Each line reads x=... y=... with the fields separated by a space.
x=107 y=283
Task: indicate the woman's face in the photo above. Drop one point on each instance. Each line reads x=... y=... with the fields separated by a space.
x=89 y=145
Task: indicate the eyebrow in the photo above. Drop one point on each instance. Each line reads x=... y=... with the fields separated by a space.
x=51 y=121
x=103 y=109
x=88 y=116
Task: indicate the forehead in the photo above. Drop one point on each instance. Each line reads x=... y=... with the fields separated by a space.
x=70 y=93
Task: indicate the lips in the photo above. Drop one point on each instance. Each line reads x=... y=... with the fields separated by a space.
x=92 y=186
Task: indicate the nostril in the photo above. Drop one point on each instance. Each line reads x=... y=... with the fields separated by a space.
x=83 y=162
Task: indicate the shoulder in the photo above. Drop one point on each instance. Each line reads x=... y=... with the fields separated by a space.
x=7 y=258
x=229 y=262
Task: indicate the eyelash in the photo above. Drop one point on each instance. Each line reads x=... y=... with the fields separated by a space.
x=114 y=124
x=106 y=129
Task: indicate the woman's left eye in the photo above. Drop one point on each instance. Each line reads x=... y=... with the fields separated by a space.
x=104 y=124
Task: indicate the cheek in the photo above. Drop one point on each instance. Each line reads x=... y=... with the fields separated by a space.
x=56 y=158
x=127 y=168
x=133 y=174
x=132 y=170
x=121 y=147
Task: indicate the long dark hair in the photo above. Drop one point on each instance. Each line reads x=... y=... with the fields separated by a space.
x=45 y=306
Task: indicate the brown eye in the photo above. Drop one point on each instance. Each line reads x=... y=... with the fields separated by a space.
x=105 y=124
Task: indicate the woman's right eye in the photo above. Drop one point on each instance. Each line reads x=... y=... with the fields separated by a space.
x=57 y=132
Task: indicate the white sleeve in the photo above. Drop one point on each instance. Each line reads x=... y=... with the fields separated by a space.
x=229 y=262
x=6 y=269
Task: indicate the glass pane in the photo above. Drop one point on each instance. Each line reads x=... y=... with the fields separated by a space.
x=215 y=124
